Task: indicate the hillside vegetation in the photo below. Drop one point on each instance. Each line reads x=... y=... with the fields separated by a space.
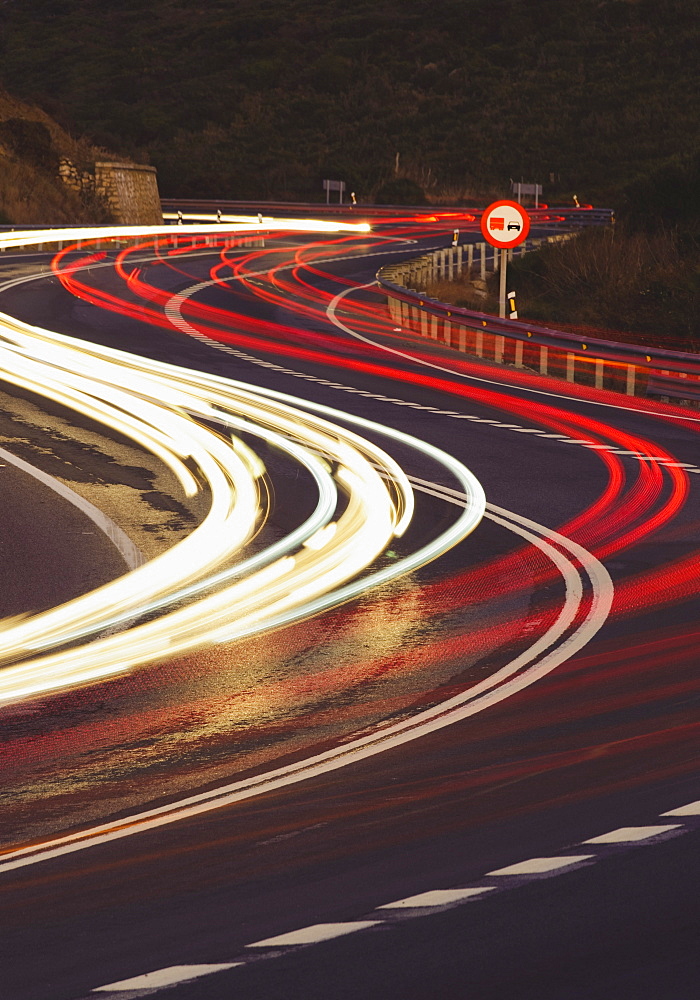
x=265 y=98
x=637 y=280
x=31 y=190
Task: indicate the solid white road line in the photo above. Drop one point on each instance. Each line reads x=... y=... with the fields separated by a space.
x=331 y=312
x=547 y=652
x=121 y=541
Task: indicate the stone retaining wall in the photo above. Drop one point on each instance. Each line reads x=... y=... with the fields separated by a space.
x=129 y=190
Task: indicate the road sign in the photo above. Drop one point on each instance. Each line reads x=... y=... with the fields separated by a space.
x=339 y=186
x=505 y=224
x=519 y=189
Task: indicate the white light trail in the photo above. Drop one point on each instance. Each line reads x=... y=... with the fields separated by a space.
x=207 y=588
x=240 y=224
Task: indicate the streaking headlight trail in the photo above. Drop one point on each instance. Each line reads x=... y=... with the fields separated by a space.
x=212 y=586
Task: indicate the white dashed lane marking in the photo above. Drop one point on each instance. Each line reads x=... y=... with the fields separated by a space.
x=692 y=809
x=633 y=834
x=438 y=897
x=542 y=866
x=421 y=904
x=172 y=311
x=313 y=934
x=164 y=977
x=511 y=876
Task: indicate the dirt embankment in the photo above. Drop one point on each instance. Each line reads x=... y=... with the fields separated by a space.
x=33 y=150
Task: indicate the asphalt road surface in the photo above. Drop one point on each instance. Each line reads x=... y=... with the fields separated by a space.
x=538 y=839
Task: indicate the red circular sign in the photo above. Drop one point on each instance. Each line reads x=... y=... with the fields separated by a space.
x=505 y=224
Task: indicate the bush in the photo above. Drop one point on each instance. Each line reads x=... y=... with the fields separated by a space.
x=668 y=197
x=400 y=191
x=31 y=141
x=618 y=278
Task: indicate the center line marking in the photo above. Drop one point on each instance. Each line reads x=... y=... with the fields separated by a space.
x=630 y=834
x=692 y=809
x=314 y=933
x=438 y=897
x=539 y=866
x=165 y=977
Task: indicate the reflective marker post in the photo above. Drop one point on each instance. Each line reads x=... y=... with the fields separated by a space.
x=512 y=310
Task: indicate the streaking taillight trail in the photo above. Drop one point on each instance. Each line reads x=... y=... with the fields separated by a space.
x=229 y=593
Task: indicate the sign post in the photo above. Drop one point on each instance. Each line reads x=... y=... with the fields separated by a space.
x=504 y=224
x=518 y=188
x=339 y=186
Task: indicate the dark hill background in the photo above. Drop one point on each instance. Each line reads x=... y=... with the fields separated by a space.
x=265 y=98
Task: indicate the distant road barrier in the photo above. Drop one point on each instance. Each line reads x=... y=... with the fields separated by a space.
x=603 y=364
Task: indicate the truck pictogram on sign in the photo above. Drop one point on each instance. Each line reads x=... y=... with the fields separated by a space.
x=505 y=224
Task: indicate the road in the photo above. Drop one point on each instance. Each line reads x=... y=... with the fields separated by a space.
x=525 y=802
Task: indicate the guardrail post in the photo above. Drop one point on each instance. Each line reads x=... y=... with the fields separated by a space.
x=479 y=344
x=460 y=259
x=482 y=260
x=599 y=371
x=434 y=327
x=631 y=379
x=470 y=259
x=498 y=345
x=518 y=354
x=544 y=351
x=447 y=332
x=570 y=361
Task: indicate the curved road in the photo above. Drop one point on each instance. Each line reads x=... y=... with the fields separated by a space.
x=476 y=781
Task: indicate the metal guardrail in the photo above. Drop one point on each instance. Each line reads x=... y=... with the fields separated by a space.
x=629 y=368
x=554 y=217
x=604 y=364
